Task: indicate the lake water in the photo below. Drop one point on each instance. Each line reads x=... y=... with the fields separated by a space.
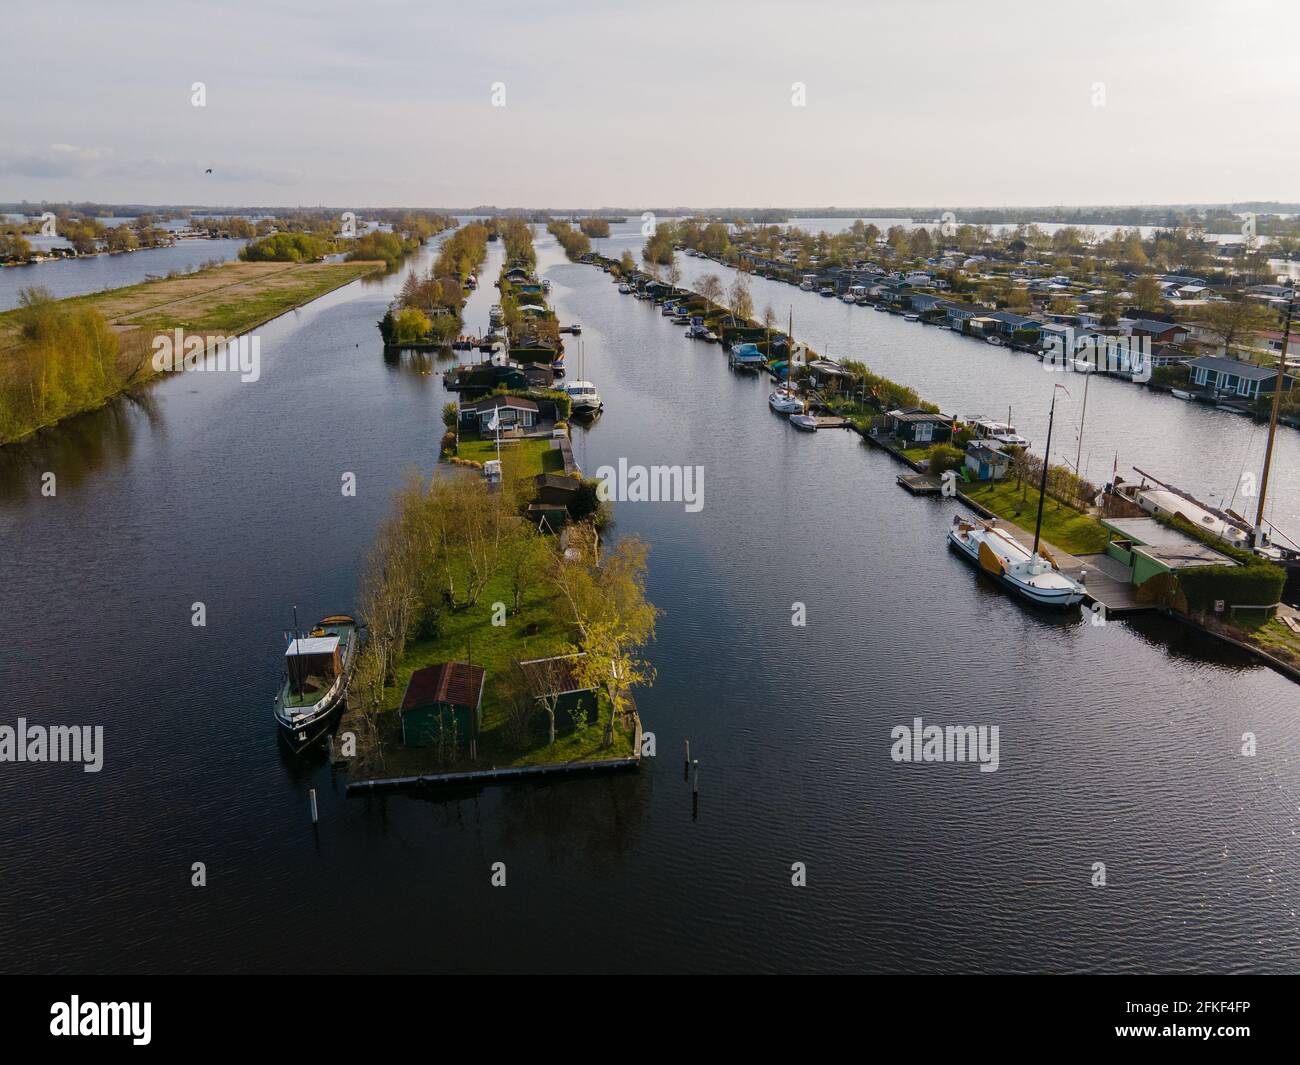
x=1119 y=744
x=91 y=273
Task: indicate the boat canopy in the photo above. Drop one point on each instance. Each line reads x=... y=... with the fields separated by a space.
x=312 y=645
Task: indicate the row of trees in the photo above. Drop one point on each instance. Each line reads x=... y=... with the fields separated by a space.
x=575 y=242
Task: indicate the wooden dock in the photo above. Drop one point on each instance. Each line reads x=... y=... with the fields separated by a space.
x=920 y=484
x=480 y=777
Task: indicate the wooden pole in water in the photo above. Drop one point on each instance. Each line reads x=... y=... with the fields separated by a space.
x=695 y=792
x=686 y=772
x=311 y=794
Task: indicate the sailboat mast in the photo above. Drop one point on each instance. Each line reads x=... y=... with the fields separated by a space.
x=1047 y=457
x=1272 y=421
x=1087 y=380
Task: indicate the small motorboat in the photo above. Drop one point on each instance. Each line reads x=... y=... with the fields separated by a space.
x=318 y=667
x=584 y=398
x=882 y=307
x=806 y=422
x=1179 y=393
x=624 y=288
x=747 y=356
x=911 y=316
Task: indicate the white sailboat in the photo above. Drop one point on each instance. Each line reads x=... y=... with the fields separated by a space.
x=1031 y=573
x=785 y=400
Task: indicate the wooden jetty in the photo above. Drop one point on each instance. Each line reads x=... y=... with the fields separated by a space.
x=507 y=775
x=920 y=484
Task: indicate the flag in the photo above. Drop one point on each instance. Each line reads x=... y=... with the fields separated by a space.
x=494 y=423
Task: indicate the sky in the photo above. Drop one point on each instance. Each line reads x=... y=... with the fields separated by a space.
x=665 y=103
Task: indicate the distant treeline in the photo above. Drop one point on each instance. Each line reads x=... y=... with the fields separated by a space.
x=310 y=238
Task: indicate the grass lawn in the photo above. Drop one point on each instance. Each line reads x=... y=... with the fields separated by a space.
x=1068 y=529
x=537 y=454
x=228 y=299
x=537 y=630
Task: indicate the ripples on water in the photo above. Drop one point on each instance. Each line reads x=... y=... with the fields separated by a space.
x=1115 y=746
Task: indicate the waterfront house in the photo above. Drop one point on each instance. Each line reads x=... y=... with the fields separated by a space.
x=1158 y=332
x=958 y=314
x=924 y=301
x=554 y=681
x=442 y=703
x=512 y=412
x=986 y=463
x=1245 y=380
x=915 y=426
x=1009 y=323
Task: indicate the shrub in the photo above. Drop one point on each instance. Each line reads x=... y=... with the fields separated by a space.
x=944 y=457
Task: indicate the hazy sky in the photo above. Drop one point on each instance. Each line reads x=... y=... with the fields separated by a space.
x=908 y=102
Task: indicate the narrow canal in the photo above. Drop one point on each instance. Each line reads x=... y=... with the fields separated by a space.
x=1118 y=744
x=1214 y=454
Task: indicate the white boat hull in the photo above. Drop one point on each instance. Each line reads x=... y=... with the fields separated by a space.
x=1032 y=578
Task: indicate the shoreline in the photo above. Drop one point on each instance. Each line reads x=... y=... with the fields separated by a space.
x=346 y=274
x=1239 y=639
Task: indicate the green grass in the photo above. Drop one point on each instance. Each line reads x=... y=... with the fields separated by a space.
x=537 y=630
x=1064 y=527
x=537 y=453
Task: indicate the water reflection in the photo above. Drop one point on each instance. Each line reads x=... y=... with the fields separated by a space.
x=78 y=448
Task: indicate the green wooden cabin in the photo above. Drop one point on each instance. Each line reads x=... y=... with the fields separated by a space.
x=442 y=702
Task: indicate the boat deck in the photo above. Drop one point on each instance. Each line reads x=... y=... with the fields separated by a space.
x=1107 y=581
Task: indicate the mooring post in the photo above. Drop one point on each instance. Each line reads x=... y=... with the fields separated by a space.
x=686 y=772
x=695 y=791
x=311 y=794
x=329 y=742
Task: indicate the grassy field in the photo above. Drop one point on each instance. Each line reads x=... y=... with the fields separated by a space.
x=228 y=299
x=1068 y=529
x=42 y=384
x=536 y=630
x=538 y=455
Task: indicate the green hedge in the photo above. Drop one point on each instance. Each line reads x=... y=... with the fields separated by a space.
x=1258 y=584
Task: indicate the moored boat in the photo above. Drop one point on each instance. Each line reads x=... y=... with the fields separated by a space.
x=785 y=401
x=318 y=667
x=1031 y=575
x=584 y=398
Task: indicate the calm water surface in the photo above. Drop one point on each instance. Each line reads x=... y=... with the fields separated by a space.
x=91 y=273
x=1118 y=744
